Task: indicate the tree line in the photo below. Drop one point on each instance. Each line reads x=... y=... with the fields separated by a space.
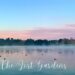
x=12 y=41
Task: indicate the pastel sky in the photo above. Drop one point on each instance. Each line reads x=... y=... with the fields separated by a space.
x=45 y=19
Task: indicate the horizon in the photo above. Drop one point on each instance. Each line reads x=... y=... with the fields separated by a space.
x=36 y=39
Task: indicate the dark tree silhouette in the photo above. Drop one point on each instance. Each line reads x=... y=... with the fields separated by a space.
x=11 y=41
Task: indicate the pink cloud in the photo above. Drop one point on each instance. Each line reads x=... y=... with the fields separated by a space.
x=70 y=26
x=41 y=33
x=14 y=34
x=52 y=33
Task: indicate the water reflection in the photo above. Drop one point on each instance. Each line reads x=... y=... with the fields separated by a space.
x=64 y=54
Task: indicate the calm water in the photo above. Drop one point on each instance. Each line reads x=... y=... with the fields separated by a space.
x=37 y=60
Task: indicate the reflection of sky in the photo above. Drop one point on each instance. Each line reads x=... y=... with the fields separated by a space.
x=61 y=54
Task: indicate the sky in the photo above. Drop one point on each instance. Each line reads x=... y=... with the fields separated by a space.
x=26 y=18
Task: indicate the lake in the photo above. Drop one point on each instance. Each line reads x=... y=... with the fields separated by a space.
x=37 y=60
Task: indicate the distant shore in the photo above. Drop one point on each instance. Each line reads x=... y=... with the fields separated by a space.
x=38 y=42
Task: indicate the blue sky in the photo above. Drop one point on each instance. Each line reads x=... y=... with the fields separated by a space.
x=31 y=14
